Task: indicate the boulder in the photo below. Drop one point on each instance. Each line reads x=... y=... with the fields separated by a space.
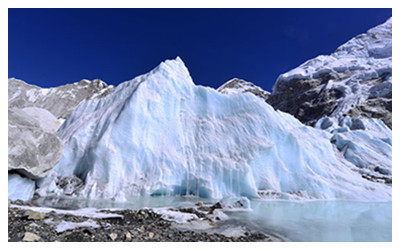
x=30 y=237
x=33 y=149
x=33 y=215
x=113 y=236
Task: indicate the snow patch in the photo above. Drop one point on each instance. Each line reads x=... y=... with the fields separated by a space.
x=176 y=216
x=84 y=212
x=68 y=225
x=32 y=95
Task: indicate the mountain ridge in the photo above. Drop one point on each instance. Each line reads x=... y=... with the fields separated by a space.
x=355 y=81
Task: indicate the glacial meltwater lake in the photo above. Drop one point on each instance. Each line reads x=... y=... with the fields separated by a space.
x=322 y=221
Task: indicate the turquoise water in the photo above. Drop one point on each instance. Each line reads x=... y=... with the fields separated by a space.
x=322 y=220
x=290 y=220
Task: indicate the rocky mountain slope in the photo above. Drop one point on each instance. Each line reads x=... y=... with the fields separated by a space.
x=355 y=81
x=34 y=115
x=60 y=101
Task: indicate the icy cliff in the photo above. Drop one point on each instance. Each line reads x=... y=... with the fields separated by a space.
x=159 y=134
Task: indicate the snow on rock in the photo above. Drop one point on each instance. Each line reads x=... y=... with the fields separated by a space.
x=236 y=86
x=68 y=225
x=84 y=212
x=189 y=220
x=20 y=188
x=176 y=216
x=355 y=80
x=159 y=134
x=60 y=101
x=242 y=204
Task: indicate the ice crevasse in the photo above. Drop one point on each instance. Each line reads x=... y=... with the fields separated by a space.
x=160 y=134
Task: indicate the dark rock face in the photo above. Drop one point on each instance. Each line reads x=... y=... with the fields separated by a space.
x=307 y=99
x=355 y=81
x=380 y=108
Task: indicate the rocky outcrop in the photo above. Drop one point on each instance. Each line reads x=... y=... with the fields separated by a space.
x=60 y=101
x=355 y=81
x=34 y=115
x=33 y=149
x=236 y=85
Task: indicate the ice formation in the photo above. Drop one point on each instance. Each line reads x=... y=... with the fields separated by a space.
x=366 y=143
x=159 y=134
x=20 y=188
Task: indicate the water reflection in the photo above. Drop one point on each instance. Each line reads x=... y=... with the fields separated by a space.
x=322 y=220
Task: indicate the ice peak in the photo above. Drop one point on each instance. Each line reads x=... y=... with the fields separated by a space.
x=173 y=65
x=178 y=59
x=171 y=72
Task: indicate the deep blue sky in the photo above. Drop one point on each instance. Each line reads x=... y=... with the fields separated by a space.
x=50 y=47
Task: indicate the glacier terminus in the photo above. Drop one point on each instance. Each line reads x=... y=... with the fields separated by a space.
x=160 y=134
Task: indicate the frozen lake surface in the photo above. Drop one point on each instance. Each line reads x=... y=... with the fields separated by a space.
x=290 y=220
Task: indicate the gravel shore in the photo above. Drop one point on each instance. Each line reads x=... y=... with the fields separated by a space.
x=26 y=224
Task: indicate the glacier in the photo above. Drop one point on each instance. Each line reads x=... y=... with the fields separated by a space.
x=365 y=142
x=160 y=134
